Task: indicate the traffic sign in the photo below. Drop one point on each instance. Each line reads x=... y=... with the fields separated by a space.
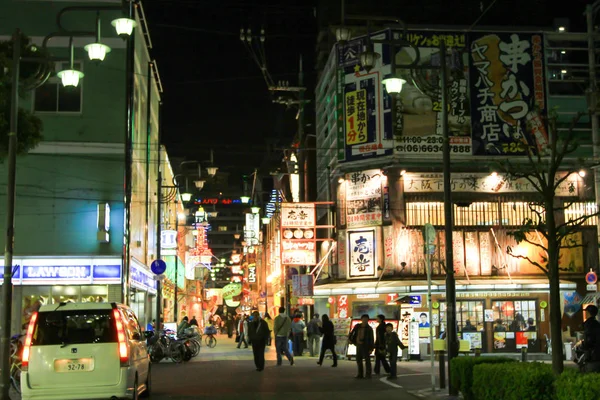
x=158 y=266
x=591 y=278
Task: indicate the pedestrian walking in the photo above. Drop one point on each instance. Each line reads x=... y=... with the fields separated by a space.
x=243 y=330
x=298 y=326
x=281 y=329
x=392 y=342
x=380 y=352
x=229 y=326
x=193 y=321
x=183 y=325
x=329 y=340
x=258 y=330
x=314 y=335
x=362 y=337
x=591 y=340
x=269 y=322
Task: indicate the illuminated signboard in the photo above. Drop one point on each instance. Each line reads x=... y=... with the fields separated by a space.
x=252 y=273
x=298 y=245
x=217 y=200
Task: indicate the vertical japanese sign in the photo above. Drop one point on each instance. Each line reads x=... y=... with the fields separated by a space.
x=367 y=121
x=363 y=198
x=298 y=243
x=418 y=119
x=356 y=117
x=507 y=89
x=361 y=246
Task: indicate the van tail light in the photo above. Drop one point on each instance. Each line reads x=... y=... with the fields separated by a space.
x=28 y=340
x=123 y=349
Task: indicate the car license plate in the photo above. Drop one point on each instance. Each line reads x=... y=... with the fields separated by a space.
x=74 y=365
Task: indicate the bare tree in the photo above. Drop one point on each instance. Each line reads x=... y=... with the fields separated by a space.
x=547 y=168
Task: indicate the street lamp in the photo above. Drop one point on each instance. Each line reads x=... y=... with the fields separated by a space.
x=266 y=220
x=70 y=77
x=369 y=57
x=186 y=196
x=393 y=85
x=245 y=199
x=124 y=26
x=255 y=209
x=97 y=51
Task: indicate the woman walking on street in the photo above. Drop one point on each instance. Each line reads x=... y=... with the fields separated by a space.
x=298 y=326
x=329 y=340
x=270 y=323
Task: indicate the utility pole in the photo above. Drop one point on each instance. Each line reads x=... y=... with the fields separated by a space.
x=592 y=98
x=159 y=220
x=451 y=334
x=301 y=155
x=9 y=242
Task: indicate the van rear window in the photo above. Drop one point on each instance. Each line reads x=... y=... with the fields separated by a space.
x=74 y=327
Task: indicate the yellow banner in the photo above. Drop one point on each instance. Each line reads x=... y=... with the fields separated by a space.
x=356 y=117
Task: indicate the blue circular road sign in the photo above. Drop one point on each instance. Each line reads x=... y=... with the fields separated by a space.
x=158 y=266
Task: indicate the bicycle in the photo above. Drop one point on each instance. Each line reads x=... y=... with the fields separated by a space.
x=210 y=340
x=15 y=372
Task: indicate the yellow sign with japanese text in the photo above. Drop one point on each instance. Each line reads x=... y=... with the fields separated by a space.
x=356 y=117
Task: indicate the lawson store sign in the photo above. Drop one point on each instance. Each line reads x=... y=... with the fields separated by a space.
x=65 y=271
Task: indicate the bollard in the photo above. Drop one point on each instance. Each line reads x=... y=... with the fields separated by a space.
x=523 y=354
x=477 y=352
x=442 y=364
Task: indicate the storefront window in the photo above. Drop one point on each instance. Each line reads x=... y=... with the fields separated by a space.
x=96 y=293
x=65 y=294
x=374 y=309
x=515 y=325
x=33 y=298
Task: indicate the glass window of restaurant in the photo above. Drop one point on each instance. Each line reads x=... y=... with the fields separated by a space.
x=515 y=325
x=469 y=320
x=391 y=312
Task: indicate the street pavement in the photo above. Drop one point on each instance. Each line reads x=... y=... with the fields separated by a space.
x=228 y=373
x=225 y=373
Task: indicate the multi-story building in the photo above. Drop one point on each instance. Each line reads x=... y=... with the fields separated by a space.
x=380 y=159
x=86 y=195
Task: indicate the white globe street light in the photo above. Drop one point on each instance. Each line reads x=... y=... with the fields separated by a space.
x=124 y=26
x=97 y=51
x=70 y=77
x=393 y=85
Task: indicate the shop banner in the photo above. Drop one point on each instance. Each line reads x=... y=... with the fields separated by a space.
x=64 y=272
x=142 y=278
x=482 y=183
x=507 y=88
x=298 y=245
x=367 y=120
x=361 y=246
x=302 y=285
x=363 y=198
x=418 y=127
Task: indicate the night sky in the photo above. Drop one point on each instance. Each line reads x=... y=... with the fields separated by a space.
x=215 y=96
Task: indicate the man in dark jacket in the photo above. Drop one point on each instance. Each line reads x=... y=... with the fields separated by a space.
x=380 y=353
x=591 y=341
x=362 y=337
x=258 y=330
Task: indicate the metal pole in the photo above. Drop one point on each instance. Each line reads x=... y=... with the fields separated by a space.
x=129 y=115
x=451 y=333
x=431 y=354
x=175 y=313
x=301 y=160
x=9 y=242
x=158 y=220
x=592 y=99
x=148 y=152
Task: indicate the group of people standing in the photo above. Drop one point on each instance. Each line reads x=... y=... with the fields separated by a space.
x=384 y=342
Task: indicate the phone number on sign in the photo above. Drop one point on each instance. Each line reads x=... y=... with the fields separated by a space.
x=429 y=148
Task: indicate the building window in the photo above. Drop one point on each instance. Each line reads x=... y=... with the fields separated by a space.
x=472 y=214
x=223 y=228
x=514 y=213
x=576 y=210
x=421 y=213
x=514 y=316
x=54 y=97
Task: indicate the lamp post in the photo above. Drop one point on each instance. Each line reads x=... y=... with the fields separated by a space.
x=68 y=77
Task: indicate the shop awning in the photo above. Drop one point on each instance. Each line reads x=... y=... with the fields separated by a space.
x=590 y=298
x=437 y=286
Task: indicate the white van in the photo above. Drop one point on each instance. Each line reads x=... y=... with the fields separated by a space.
x=84 y=351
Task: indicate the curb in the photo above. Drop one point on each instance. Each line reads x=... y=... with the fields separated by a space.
x=440 y=394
